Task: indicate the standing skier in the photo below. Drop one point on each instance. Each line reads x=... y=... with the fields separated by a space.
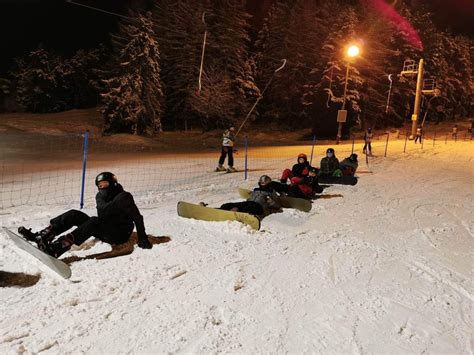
x=300 y=169
x=117 y=215
x=419 y=134
x=227 y=149
x=455 y=132
x=368 y=141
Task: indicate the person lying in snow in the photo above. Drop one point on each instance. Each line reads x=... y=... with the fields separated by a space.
x=330 y=164
x=262 y=201
x=117 y=214
x=300 y=169
x=349 y=165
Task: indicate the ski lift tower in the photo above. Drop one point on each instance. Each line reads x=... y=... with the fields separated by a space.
x=410 y=69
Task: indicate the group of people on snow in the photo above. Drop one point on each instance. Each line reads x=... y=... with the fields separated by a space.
x=118 y=215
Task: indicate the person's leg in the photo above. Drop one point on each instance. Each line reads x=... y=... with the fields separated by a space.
x=250 y=207
x=230 y=153
x=287 y=174
x=68 y=220
x=365 y=148
x=279 y=187
x=223 y=155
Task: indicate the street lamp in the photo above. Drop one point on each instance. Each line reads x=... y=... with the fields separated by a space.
x=352 y=52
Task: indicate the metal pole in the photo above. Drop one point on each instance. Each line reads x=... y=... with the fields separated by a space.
x=261 y=96
x=434 y=137
x=406 y=138
x=246 y=158
x=312 y=149
x=422 y=139
x=84 y=164
x=353 y=141
x=389 y=91
x=416 y=109
x=386 y=145
x=339 y=127
x=202 y=52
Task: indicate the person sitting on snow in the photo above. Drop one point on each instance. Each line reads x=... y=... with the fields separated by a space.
x=330 y=164
x=262 y=201
x=306 y=186
x=349 y=165
x=117 y=215
x=300 y=169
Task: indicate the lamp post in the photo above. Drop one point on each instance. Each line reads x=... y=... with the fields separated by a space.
x=352 y=51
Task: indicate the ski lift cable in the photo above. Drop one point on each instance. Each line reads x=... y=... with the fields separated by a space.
x=100 y=10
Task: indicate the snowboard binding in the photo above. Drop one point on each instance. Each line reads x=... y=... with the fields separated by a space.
x=41 y=239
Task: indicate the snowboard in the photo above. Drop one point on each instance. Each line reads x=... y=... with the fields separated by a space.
x=338 y=180
x=300 y=204
x=54 y=264
x=190 y=210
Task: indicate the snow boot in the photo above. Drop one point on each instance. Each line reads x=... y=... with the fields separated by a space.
x=231 y=169
x=45 y=234
x=60 y=246
x=220 y=168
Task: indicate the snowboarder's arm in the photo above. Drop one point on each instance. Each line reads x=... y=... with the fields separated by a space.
x=127 y=204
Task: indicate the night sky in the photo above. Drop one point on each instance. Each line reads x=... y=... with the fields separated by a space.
x=64 y=27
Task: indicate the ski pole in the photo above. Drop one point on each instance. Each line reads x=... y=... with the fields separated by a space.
x=84 y=163
x=406 y=138
x=261 y=96
x=246 y=158
x=386 y=145
x=312 y=149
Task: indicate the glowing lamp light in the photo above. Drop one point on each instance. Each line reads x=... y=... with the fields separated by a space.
x=353 y=51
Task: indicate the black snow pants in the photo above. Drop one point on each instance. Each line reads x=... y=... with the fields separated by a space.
x=88 y=227
x=227 y=151
x=250 y=207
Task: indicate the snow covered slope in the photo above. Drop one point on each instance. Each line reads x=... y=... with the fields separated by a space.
x=386 y=268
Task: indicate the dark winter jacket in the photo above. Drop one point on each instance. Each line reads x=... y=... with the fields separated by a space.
x=300 y=169
x=116 y=208
x=267 y=198
x=348 y=167
x=328 y=165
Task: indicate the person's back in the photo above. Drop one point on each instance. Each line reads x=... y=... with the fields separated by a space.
x=349 y=165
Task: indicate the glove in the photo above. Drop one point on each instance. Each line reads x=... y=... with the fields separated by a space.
x=144 y=243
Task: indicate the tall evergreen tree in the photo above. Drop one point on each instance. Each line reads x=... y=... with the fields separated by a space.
x=36 y=83
x=132 y=101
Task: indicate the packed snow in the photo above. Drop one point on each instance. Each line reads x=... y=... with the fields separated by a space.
x=385 y=266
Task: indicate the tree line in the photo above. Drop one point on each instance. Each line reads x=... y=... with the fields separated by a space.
x=147 y=78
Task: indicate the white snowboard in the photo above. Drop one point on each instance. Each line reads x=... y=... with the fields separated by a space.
x=54 y=264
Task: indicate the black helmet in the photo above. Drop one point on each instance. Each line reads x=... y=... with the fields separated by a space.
x=330 y=150
x=264 y=180
x=106 y=176
x=353 y=157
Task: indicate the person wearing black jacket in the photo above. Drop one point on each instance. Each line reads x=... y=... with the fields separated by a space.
x=300 y=169
x=117 y=214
